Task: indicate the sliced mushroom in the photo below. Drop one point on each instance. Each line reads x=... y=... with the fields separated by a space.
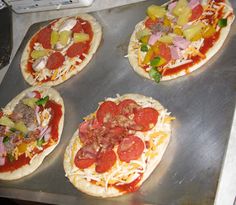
x=67 y=25
x=40 y=63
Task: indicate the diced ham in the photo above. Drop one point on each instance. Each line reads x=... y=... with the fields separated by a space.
x=193 y=3
x=175 y=53
x=171 y=6
x=181 y=42
x=154 y=37
x=2 y=161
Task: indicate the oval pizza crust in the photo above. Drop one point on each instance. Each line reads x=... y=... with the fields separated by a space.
x=97 y=31
x=37 y=160
x=133 y=51
x=74 y=145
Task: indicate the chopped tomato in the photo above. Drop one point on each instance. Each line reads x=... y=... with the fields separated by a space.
x=127 y=107
x=196 y=12
x=106 y=112
x=146 y=118
x=164 y=51
x=55 y=61
x=37 y=94
x=149 y=22
x=105 y=161
x=130 y=148
x=76 y=49
x=44 y=37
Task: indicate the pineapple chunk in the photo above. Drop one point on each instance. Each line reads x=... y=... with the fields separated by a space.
x=30 y=102
x=80 y=37
x=54 y=38
x=184 y=17
x=142 y=33
x=166 y=39
x=6 y=121
x=21 y=127
x=35 y=54
x=64 y=37
x=179 y=8
x=194 y=31
x=154 y=11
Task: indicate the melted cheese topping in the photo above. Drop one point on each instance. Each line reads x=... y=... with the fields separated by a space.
x=122 y=172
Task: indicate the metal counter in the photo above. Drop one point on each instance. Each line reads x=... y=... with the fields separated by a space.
x=202 y=102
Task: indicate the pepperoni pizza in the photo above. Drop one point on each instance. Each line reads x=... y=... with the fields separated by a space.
x=179 y=37
x=60 y=50
x=117 y=147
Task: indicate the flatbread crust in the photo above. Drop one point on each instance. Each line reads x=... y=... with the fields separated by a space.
x=133 y=53
x=37 y=160
x=97 y=30
x=74 y=145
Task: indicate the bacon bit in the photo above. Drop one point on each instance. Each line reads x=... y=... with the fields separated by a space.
x=54 y=75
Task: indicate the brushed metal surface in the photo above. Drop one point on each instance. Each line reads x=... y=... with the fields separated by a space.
x=202 y=102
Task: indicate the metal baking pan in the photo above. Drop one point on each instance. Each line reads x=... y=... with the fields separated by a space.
x=202 y=102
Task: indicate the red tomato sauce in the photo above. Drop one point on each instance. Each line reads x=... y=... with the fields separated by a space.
x=54 y=123
x=87 y=29
x=131 y=187
x=208 y=43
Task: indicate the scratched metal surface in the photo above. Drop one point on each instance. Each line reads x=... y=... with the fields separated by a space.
x=202 y=102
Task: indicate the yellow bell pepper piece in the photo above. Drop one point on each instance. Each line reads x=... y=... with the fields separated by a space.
x=148 y=56
x=22 y=147
x=208 y=31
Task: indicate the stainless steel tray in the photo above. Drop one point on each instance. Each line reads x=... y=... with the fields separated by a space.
x=202 y=102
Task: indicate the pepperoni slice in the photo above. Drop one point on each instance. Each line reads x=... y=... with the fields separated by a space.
x=164 y=51
x=77 y=28
x=55 y=61
x=77 y=49
x=196 y=12
x=44 y=37
x=105 y=161
x=149 y=23
x=146 y=118
x=106 y=112
x=83 y=163
x=86 y=156
x=37 y=94
x=130 y=148
x=127 y=107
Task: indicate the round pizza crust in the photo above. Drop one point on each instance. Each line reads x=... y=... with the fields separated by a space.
x=97 y=31
x=74 y=145
x=133 y=51
x=37 y=160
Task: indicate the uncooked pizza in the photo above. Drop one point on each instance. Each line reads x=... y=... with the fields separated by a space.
x=60 y=50
x=179 y=37
x=30 y=128
x=117 y=147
